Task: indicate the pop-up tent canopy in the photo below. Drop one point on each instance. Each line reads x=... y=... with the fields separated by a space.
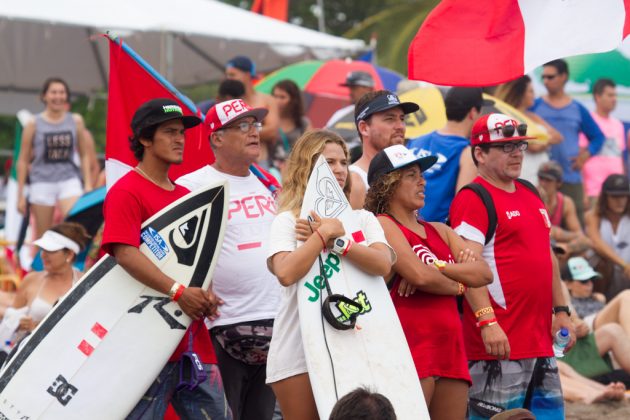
x=188 y=41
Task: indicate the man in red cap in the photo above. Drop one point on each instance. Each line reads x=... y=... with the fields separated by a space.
x=251 y=294
x=508 y=325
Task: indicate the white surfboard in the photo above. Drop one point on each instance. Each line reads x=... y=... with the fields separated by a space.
x=376 y=354
x=105 y=342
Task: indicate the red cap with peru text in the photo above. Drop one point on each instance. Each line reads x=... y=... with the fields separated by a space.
x=495 y=128
x=224 y=113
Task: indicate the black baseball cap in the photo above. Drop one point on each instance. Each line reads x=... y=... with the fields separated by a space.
x=358 y=78
x=465 y=98
x=157 y=111
x=396 y=157
x=616 y=184
x=242 y=63
x=383 y=102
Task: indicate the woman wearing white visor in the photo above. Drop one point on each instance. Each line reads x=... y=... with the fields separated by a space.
x=39 y=290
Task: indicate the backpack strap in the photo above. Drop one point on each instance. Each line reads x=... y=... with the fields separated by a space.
x=483 y=193
x=529 y=186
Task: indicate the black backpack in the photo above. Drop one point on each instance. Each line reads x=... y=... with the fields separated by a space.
x=483 y=193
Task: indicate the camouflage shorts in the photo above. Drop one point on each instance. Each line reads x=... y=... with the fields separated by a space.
x=247 y=342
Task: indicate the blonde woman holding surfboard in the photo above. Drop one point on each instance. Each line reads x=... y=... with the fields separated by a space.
x=425 y=279
x=286 y=365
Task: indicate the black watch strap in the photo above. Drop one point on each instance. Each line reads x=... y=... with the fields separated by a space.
x=557 y=309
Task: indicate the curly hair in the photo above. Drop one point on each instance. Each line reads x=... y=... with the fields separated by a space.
x=134 y=141
x=300 y=164
x=380 y=193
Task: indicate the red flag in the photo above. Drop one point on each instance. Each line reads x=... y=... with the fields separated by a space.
x=483 y=43
x=132 y=81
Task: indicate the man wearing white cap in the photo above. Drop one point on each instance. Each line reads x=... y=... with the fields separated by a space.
x=508 y=325
x=250 y=292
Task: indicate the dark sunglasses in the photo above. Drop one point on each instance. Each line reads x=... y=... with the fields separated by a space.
x=548 y=76
x=509 y=147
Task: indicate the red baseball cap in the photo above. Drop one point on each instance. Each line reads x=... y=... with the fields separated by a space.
x=497 y=128
x=223 y=113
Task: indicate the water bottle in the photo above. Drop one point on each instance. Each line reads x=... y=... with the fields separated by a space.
x=560 y=341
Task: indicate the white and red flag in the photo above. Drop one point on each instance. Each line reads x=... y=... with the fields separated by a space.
x=483 y=43
x=132 y=81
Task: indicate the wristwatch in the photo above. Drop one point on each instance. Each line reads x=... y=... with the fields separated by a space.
x=557 y=309
x=341 y=245
x=439 y=264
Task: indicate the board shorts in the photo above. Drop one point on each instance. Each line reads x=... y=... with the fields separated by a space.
x=48 y=193
x=500 y=385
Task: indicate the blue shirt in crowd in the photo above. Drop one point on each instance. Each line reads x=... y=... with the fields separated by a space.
x=570 y=121
x=442 y=177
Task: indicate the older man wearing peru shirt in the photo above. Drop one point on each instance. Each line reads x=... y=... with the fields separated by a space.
x=251 y=295
x=508 y=325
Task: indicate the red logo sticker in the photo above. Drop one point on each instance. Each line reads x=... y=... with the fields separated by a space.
x=86 y=348
x=358 y=236
x=99 y=330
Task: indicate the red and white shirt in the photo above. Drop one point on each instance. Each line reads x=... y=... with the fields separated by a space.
x=519 y=255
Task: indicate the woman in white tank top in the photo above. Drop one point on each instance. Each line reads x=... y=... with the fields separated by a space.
x=40 y=290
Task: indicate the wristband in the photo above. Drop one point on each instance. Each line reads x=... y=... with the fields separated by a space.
x=174 y=289
x=179 y=293
x=347 y=248
x=322 y=238
x=486 y=322
x=484 y=311
x=461 y=289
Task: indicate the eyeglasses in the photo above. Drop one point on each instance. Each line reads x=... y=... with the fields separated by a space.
x=548 y=76
x=511 y=146
x=245 y=126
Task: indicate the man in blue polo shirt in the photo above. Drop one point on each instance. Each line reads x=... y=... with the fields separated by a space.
x=451 y=145
x=570 y=118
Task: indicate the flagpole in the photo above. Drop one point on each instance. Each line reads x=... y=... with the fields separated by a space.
x=321 y=19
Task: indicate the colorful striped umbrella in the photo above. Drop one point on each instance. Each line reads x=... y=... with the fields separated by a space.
x=320 y=81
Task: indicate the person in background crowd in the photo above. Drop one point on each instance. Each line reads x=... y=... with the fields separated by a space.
x=565 y=226
x=433 y=266
x=157 y=142
x=608 y=227
x=228 y=89
x=286 y=366
x=508 y=326
x=251 y=293
x=293 y=122
x=243 y=69
x=454 y=167
x=380 y=120
x=609 y=160
x=54 y=158
x=570 y=118
x=520 y=94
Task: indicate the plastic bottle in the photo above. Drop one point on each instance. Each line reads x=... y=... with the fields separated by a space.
x=560 y=341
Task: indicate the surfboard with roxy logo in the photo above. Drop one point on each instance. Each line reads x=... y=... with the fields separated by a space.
x=105 y=342
x=373 y=354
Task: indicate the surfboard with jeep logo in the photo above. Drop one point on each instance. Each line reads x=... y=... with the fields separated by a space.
x=374 y=353
x=104 y=343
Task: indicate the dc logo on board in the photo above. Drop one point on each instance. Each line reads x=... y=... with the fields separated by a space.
x=62 y=390
x=155 y=242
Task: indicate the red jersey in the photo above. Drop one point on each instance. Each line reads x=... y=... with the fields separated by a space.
x=430 y=322
x=131 y=201
x=519 y=255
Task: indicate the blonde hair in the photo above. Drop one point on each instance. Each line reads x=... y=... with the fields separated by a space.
x=380 y=193
x=300 y=164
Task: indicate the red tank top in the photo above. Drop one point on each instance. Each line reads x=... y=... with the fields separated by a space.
x=431 y=322
x=556 y=217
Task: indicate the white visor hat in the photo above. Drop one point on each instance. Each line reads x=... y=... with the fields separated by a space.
x=52 y=241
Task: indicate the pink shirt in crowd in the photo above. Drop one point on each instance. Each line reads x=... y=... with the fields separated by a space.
x=609 y=160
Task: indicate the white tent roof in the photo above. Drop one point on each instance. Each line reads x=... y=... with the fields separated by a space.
x=188 y=41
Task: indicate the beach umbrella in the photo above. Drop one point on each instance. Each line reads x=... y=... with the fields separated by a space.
x=320 y=81
x=585 y=70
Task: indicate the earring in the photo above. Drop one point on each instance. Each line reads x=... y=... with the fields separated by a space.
x=68 y=260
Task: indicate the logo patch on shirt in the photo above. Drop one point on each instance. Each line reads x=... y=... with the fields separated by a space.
x=155 y=242
x=513 y=213
x=545 y=216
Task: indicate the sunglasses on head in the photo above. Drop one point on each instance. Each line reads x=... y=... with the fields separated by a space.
x=509 y=130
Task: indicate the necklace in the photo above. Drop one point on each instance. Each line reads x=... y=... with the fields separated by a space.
x=144 y=174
